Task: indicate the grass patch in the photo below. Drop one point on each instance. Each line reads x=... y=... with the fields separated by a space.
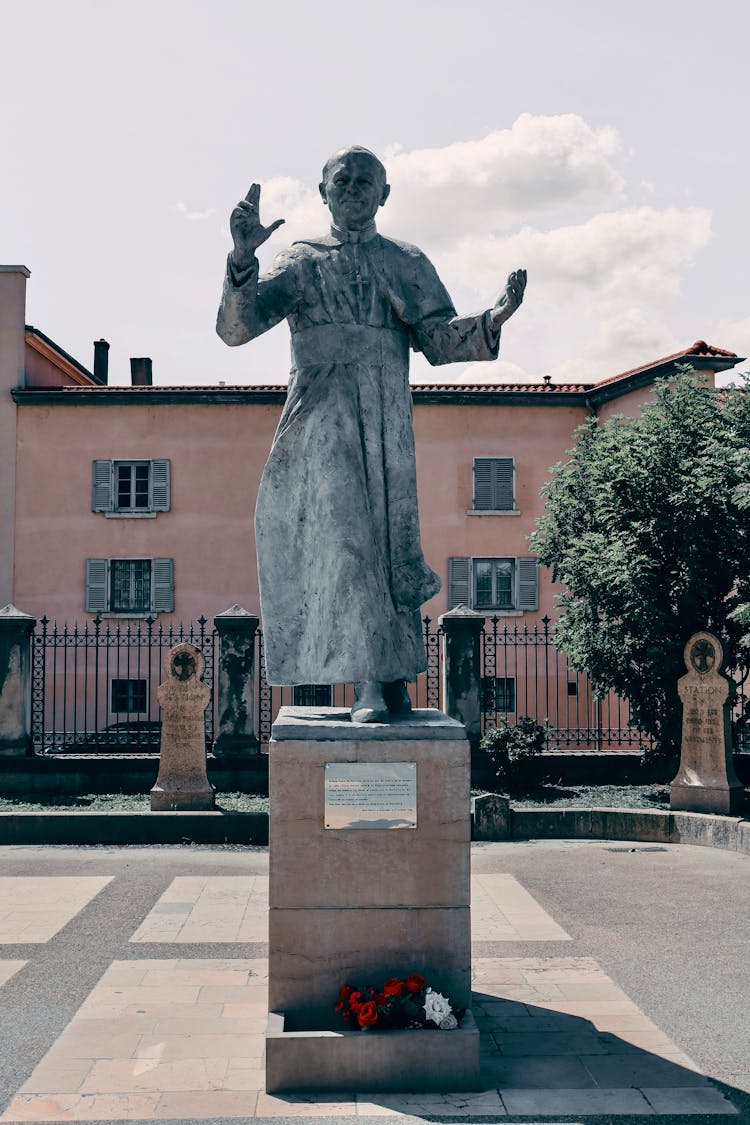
x=119 y=802
x=594 y=797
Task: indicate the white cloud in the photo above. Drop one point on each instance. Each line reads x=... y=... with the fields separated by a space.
x=472 y=187
x=194 y=216
x=603 y=275
x=476 y=187
x=641 y=251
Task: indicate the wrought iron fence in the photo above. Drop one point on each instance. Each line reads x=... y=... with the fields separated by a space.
x=94 y=687
x=94 y=683
x=525 y=673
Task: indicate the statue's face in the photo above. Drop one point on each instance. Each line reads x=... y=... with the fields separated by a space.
x=353 y=190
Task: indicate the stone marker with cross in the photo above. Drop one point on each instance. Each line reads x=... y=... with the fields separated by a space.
x=183 y=782
x=705 y=781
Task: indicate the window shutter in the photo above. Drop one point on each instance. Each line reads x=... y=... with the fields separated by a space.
x=97 y=575
x=101 y=486
x=482 y=484
x=528 y=583
x=458 y=582
x=162 y=585
x=502 y=493
x=493 y=484
x=160 y=486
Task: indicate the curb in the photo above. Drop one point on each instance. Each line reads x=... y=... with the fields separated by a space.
x=134 y=827
x=493 y=818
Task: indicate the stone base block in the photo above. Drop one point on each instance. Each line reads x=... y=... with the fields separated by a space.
x=313 y=952
x=727 y=799
x=181 y=800
x=377 y=1061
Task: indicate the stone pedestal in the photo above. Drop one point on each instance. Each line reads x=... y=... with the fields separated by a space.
x=15 y=681
x=706 y=781
x=183 y=782
x=362 y=904
x=462 y=678
x=236 y=674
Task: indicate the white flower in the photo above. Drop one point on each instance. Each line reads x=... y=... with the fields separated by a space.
x=448 y=1023
x=436 y=1007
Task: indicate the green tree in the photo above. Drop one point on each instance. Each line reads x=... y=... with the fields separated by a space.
x=646 y=529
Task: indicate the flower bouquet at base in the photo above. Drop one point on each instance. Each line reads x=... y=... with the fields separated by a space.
x=408 y=1003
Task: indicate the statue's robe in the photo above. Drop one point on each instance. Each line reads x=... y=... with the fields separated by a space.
x=340 y=564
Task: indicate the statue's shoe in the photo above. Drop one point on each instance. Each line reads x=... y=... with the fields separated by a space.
x=397 y=698
x=369 y=704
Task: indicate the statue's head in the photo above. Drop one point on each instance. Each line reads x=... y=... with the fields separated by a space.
x=353 y=187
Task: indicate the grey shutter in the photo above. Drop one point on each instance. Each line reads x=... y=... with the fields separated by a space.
x=97 y=593
x=458 y=582
x=528 y=583
x=160 y=486
x=162 y=585
x=502 y=491
x=482 y=484
x=493 y=484
x=101 y=486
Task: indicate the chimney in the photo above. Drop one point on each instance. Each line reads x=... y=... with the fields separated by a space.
x=547 y=380
x=12 y=374
x=140 y=372
x=101 y=362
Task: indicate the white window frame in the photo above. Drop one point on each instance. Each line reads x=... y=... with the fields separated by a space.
x=131 y=509
x=494 y=608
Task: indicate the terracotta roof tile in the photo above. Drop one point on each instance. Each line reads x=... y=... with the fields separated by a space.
x=700 y=347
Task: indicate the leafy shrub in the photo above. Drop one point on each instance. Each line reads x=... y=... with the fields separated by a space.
x=512 y=748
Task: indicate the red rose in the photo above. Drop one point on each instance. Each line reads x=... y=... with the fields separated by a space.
x=345 y=991
x=367 y=1013
x=380 y=999
x=415 y=982
x=354 y=999
x=393 y=987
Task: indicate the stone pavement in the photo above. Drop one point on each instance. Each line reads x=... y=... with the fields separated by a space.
x=133 y=987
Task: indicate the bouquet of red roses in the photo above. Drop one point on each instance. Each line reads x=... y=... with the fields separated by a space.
x=409 y=1003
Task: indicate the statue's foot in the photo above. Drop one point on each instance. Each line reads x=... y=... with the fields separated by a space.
x=397 y=697
x=369 y=704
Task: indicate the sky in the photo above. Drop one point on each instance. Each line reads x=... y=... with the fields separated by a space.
x=602 y=147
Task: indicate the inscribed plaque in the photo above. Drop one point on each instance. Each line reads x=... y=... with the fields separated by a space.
x=371 y=795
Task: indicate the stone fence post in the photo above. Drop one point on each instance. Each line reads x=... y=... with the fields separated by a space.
x=462 y=681
x=236 y=667
x=15 y=681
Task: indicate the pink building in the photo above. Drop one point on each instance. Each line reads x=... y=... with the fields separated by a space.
x=133 y=502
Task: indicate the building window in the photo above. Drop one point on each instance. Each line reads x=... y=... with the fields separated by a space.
x=499 y=693
x=128 y=697
x=133 y=485
x=494 y=481
x=130 y=586
x=494 y=583
x=572 y=689
x=312 y=695
x=508 y=585
x=130 y=487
